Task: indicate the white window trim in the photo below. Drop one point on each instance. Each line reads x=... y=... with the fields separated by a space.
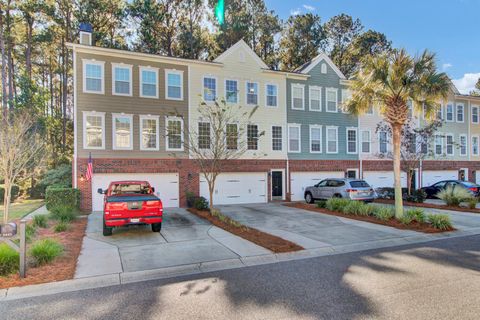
x=380 y=143
x=310 y=98
x=140 y=80
x=454 y=114
x=266 y=94
x=327 y=90
x=299 y=126
x=336 y=139
x=246 y=93
x=127 y=66
x=157 y=139
x=446 y=144
x=356 y=139
x=271 y=140
x=478 y=115
x=98 y=63
x=93 y=113
x=114 y=129
x=315 y=126
x=180 y=73
x=300 y=86
x=225 y=91
x=463 y=112
x=369 y=141
x=478 y=145
x=174 y=118
x=460 y=144
x=203 y=88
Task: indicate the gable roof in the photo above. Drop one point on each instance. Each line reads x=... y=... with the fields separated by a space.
x=241 y=45
x=307 y=67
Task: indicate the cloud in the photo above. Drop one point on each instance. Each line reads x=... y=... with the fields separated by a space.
x=446 y=66
x=466 y=83
x=309 y=8
x=295 y=12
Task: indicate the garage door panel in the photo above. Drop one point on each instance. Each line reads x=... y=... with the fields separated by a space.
x=302 y=180
x=433 y=176
x=383 y=179
x=166 y=186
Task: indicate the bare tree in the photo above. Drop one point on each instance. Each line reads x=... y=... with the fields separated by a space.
x=20 y=149
x=222 y=134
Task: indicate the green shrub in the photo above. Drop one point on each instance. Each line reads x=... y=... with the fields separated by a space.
x=353 y=208
x=472 y=203
x=59 y=196
x=366 y=210
x=415 y=215
x=453 y=196
x=405 y=219
x=62 y=226
x=14 y=195
x=321 y=204
x=61 y=176
x=440 y=221
x=65 y=213
x=45 y=251
x=40 y=221
x=337 y=204
x=30 y=232
x=9 y=260
x=417 y=196
x=384 y=213
x=200 y=203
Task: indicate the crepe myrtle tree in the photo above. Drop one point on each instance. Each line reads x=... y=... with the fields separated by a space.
x=388 y=81
x=21 y=149
x=219 y=136
x=416 y=142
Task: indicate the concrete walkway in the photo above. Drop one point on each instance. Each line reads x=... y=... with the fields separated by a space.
x=40 y=211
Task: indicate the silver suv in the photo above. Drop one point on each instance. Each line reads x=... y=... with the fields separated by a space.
x=353 y=189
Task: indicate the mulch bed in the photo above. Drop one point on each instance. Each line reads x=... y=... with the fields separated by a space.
x=268 y=241
x=63 y=267
x=429 y=205
x=414 y=226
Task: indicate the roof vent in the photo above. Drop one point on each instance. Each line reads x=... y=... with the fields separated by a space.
x=86 y=33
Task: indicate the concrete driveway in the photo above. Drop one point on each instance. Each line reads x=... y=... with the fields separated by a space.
x=185 y=239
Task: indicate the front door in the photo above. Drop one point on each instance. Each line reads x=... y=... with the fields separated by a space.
x=277 y=184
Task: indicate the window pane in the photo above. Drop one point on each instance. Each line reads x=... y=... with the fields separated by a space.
x=331 y=140
x=94 y=71
x=276 y=138
x=204 y=135
x=174 y=134
x=174 y=79
x=174 y=92
x=315 y=138
x=271 y=95
x=149 y=90
x=252 y=137
x=122 y=132
x=232 y=136
x=149 y=133
x=122 y=87
x=383 y=142
x=209 y=89
x=331 y=100
x=352 y=141
x=149 y=83
x=315 y=95
x=231 y=91
x=366 y=141
x=252 y=93
x=94 y=131
x=294 y=138
x=149 y=77
x=297 y=98
x=94 y=84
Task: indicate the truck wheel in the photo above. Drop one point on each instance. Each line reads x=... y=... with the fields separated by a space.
x=156 y=227
x=308 y=198
x=106 y=230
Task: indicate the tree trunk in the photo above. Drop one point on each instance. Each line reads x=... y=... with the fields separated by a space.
x=4 y=67
x=396 y=135
x=28 y=51
x=6 y=200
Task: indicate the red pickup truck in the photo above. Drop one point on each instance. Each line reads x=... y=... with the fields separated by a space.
x=130 y=203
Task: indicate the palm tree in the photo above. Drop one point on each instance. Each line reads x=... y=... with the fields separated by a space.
x=388 y=81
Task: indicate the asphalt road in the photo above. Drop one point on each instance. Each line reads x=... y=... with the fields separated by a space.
x=436 y=280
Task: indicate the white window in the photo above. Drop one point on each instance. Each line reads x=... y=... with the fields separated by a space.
x=93 y=76
x=148 y=82
x=94 y=130
x=440 y=112
x=366 y=141
x=460 y=110
x=315 y=96
x=209 y=89
x=121 y=79
x=332 y=100
x=323 y=68
x=449 y=110
x=298 y=101
x=149 y=133
x=252 y=93
x=271 y=94
x=231 y=91
x=449 y=145
x=174 y=134
x=382 y=142
x=351 y=140
x=122 y=130
x=346 y=95
x=315 y=139
x=277 y=138
x=294 y=138
x=332 y=139
x=173 y=85
x=204 y=137
x=232 y=136
x=474 y=114
x=463 y=145
x=252 y=137
x=475 y=145
x=439 y=145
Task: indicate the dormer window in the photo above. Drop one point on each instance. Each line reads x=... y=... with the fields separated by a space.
x=324 y=68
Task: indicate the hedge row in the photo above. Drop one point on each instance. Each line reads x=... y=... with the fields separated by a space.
x=15 y=192
x=60 y=196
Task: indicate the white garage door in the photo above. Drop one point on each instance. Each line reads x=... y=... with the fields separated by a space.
x=301 y=180
x=382 y=179
x=165 y=184
x=431 y=177
x=237 y=188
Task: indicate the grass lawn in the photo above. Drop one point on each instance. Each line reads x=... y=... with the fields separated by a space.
x=21 y=208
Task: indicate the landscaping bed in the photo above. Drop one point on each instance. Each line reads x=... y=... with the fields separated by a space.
x=61 y=267
x=430 y=205
x=413 y=225
x=268 y=241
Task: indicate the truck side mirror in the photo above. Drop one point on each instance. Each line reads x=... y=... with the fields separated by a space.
x=100 y=191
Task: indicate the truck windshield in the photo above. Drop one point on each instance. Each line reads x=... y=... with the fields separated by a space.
x=130 y=188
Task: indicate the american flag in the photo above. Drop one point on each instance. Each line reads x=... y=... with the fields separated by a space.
x=89 y=173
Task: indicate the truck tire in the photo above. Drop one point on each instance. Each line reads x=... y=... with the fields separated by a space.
x=106 y=230
x=156 y=227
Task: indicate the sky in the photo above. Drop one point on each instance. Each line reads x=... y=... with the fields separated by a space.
x=450 y=28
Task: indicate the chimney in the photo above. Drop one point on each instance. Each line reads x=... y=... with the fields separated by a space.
x=86 y=33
